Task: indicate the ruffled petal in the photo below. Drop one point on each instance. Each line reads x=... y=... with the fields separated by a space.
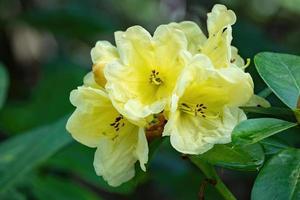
x=219 y=18
x=135 y=47
x=103 y=53
x=258 y=101
x=169 y=42
x=93 y=116
x=194 y=35
x=131 y=93
x=193 y=135
x=115 y=158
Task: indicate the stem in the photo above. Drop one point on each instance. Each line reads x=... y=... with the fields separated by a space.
x=209 y=171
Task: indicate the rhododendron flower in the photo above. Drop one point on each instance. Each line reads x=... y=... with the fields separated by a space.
x=96 y=123
x=178 y=83
x=204 y=106
x=140 y=82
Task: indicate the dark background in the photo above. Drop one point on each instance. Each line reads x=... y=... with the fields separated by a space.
x=45 y=46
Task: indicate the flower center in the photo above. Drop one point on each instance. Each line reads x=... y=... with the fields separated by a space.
x=193 y=109
x=154 y=78
x=118 y=123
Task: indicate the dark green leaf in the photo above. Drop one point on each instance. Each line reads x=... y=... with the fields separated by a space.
x=3 y=84
x=279 y=178
x=248 y=158
x=45 y=188
x=273 y=145
x=272 y=111
x=253 y=130
x=24 y=152
x=281 y=72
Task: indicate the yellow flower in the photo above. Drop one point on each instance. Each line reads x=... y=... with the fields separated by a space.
x=217 y=46
x=204 y=106
x=96 y=123
x=141 y=81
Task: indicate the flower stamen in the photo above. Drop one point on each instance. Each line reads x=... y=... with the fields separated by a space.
x=118 y=123
x=154 y=78
x=193 y=109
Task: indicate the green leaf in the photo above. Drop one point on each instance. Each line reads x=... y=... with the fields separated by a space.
x=46 y=188
x=281 y=72
x=247 y=158
x=253 y=130
x=3 y=84
x=272 y=111
x=24 y=152
x=279 y=178
x=273 y=145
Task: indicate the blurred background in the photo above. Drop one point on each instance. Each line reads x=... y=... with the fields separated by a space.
x=45 y=48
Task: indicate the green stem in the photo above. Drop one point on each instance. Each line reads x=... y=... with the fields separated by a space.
x=210 y=173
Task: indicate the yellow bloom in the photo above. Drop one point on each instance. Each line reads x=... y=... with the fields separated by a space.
x=96 y=123
x=141 y=81
x=204 y=106
x=217 y=46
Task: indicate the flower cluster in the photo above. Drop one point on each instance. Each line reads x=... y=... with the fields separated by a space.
x=178 y=83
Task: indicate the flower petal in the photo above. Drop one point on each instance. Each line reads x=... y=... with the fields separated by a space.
x=194 y=35
x=219 y=18
x=92 y=117
x=169 y=42
x=101 y=54
x=135 y=47
x=115 y=158
x=104 y=51
x=131 y=93
x=193 y=135
x=218 y=49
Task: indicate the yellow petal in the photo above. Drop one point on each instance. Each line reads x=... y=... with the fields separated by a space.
x=140 y=83
x=93 y=116
x=236 y=59
x=193 y=135
x=89 y=81
x=258 y=101
x=218 y=49
x=194 y=35
x=135 y=47
x=103 y=53
x=219 y=18
x=115 y=158
x=168 y=44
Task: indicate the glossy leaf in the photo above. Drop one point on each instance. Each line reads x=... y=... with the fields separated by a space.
x=242 y=158
x=273 y=145
x=279 y=178
x=253 y=130
x=3 y=84
x=24 y=152
x=281 y=72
